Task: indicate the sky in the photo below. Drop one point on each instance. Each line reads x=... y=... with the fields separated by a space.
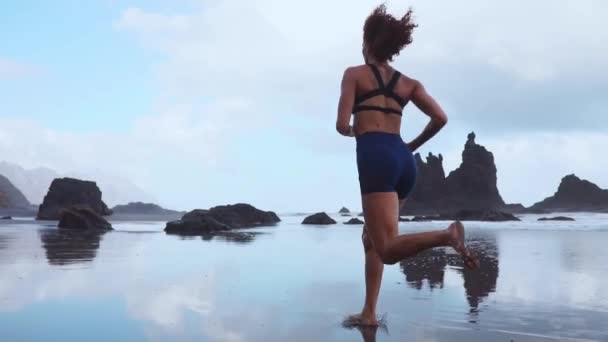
x=212 y=102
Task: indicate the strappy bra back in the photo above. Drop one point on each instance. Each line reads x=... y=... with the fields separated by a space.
x=384 y=90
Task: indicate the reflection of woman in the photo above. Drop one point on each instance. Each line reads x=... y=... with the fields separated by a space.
x=387 y=170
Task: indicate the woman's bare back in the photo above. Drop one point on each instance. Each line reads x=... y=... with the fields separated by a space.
x=374 y=120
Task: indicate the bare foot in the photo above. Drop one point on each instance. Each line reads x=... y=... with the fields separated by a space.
x=360 y=320
x=456 y=230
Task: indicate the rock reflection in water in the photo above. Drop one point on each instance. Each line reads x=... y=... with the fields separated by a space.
x=430 y=266
x=65 y=247
x=227 y=236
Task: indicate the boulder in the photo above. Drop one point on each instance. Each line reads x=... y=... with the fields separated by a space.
x=403 y=219
x=82 y=218
x=6 y=218
x=557 y=218
x=243 y=216
x=353 y=221
x=574 y=194
x=221 y=218
x=319 y=218
x=200 y=224
x=68 y=192
x=10 y=196
x=344 y=210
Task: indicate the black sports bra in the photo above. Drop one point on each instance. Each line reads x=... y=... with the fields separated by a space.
x=385 y=90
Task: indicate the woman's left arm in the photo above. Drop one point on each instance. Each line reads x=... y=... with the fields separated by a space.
x=345 y=105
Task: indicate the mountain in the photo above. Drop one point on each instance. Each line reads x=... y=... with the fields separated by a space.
x=34 y=183
x=574 y=194
x=10 y=196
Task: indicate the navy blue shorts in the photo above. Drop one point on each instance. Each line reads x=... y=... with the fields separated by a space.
x=385 y=164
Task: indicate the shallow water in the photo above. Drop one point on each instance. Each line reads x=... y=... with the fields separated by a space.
x=538 y=281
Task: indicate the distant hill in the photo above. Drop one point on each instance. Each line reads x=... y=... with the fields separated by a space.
x=34 y=183
x=575 y=194
x=144 y=211
x=10 y=196
x=142 y=208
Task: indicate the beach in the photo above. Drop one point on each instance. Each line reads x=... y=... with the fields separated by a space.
x=538 y=281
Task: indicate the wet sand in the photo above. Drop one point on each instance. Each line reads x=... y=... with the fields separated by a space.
x=537 y=282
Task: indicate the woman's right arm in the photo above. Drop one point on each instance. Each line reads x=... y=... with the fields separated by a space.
x=431 y=108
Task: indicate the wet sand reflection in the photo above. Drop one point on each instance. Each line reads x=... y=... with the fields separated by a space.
x=66 y=247
x=429 y=267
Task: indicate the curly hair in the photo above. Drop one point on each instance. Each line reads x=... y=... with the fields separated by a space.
x=385 y=35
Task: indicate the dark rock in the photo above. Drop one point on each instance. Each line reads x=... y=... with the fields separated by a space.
x=480 y=215
x=354 y=220
x=574 y=194
x=430 y=187
x=243 y=216
x=68 y=192
x=222 y=218
x=557 y=218
x=196 y=225
x=195 y=214
x=10 y=196
x=82 y=218
x=6 y=218
x=515 y=208
x=422 y=218
x=361 y=214
x=471 y=186
x=345 y=215
x=403 y=219
x=469 y=215
x=344 y=210
x=319 y=218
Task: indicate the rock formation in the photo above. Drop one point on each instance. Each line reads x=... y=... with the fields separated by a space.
x=319 y=218
x=354 y=221
x=222 y=218
x=557 y=218
x=10 y=196
x=82 y=218
x=344 y=210
x=471 y=186
x=68 y=192
x=574 y=194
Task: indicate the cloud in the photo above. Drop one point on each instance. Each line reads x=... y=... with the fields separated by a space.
x=10 y=69
x=239 y=77
x=514 y=65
